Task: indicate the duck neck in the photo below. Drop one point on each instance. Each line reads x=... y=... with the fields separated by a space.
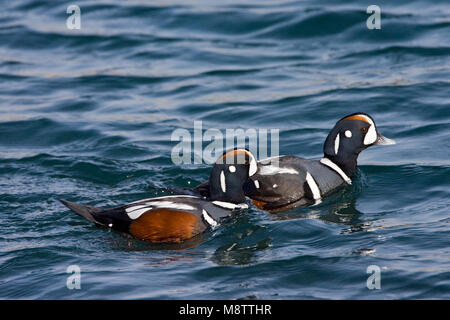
x=346 y=162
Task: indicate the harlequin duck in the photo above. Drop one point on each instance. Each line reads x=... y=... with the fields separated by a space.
x=288 y=182
x=173 y=219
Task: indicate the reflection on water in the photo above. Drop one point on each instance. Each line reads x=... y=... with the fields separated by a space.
x=338 y=207
x=238 y=253
x=88 y=115
x=343 y=212
x=126 y=242
x=243 y=239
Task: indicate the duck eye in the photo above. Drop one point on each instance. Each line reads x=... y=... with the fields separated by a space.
x=364 y=130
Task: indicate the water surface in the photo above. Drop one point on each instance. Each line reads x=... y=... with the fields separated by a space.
x=87 y=115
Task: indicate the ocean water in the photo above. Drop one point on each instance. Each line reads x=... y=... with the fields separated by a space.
x=87 y=115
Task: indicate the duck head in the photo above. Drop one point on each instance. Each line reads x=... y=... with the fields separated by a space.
x=229 y=174
x=351 y=135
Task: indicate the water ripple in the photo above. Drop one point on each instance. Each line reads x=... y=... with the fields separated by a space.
x=87 y=115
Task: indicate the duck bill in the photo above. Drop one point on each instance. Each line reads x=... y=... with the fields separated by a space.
x=383 y=141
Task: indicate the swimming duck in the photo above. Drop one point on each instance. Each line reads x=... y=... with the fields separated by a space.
x=176 y=218
x=287 y=182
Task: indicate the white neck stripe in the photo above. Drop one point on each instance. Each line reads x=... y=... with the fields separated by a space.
x=336 y=168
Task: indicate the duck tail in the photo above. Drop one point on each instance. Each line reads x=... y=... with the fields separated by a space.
x=83 y=211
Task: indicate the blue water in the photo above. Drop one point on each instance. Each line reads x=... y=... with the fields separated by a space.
x=87 y=115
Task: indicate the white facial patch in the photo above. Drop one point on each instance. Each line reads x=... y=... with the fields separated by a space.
x=348 y=133
x=371 y=135
x=256 y=182
x=253 y=166
x=275 y=186
x=313 y=186
x=336 y=144
x=222 y=182
x=232 y=169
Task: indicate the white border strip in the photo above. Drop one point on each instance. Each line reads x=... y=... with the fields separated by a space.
x=335 y=167
x=313 y=186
